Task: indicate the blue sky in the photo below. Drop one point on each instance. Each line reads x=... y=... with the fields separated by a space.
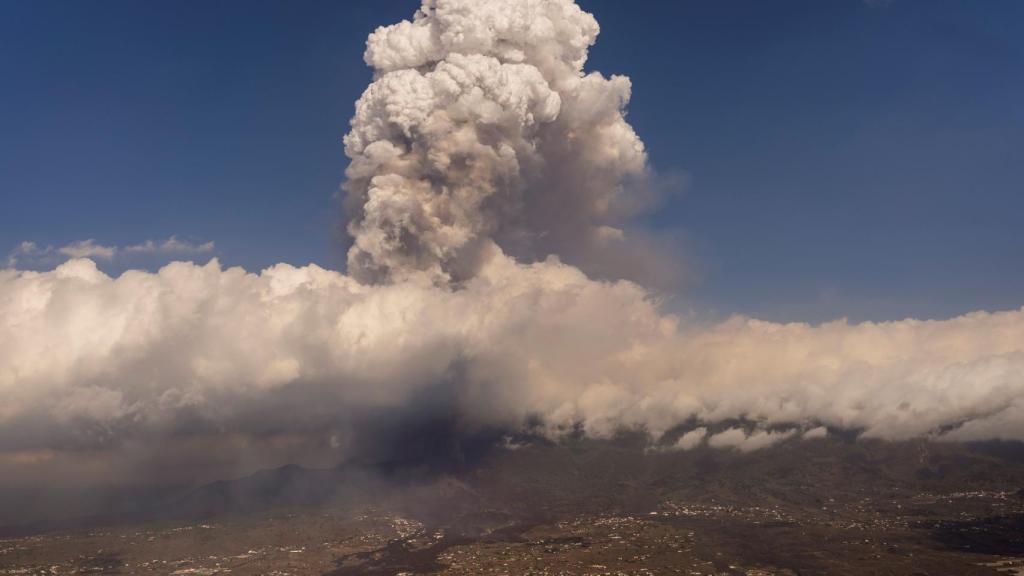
x=843 y=158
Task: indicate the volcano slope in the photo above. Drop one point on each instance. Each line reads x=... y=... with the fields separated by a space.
x=530 y=506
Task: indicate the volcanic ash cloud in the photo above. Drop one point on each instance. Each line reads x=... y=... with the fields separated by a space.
x=481 y=128
x=480 y=148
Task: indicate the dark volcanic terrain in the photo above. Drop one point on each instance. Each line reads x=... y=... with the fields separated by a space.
x=830 y=506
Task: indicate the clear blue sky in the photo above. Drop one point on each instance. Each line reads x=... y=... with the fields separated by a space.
x=844 y=157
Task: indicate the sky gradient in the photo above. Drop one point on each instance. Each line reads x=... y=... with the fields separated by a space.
x=840 y=158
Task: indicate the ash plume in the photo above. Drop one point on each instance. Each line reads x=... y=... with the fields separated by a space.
x=481 y=129
x=480 y=153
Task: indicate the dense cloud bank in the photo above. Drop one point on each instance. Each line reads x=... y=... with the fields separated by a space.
x=480 y=149
x=96 y=358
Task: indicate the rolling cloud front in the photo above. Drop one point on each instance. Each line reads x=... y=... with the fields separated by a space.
x=492 y=275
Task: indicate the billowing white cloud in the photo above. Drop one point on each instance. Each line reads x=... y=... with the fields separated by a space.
x=142 y=350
